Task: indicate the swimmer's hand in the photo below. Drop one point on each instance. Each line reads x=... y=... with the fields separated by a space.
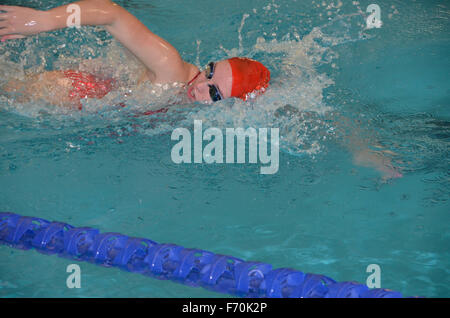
x=17 y=22
x=379 y=161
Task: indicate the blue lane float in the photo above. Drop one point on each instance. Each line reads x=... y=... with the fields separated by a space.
x=192 y=267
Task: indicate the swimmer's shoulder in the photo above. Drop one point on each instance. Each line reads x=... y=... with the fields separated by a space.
x=182 y=74
x=191 y=71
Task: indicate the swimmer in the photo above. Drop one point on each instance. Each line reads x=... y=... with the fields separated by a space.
x=235 y=77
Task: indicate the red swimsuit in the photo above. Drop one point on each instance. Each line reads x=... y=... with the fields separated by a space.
x=85 y=85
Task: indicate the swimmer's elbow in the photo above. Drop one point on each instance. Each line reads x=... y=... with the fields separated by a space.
x=92 y=12
x=105 y=12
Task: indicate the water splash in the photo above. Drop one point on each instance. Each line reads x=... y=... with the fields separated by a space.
x=197 y=59
x=241 y=47
x=294 y=102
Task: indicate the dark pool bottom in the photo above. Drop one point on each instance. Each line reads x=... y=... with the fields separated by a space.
x=192 y=267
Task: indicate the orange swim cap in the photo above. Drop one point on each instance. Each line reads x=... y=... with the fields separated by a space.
x=248 y=76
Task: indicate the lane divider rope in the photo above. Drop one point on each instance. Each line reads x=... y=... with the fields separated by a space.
x=192 y=267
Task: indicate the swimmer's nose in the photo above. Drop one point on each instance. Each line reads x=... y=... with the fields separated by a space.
x=202 y=87
x=202 y=90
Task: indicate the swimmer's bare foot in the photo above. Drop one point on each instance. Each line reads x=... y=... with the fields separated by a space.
x=378 y=161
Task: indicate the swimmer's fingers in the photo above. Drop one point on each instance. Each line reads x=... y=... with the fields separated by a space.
x=6 y=31
x=7 y=8
x=11 y=37
x=22 y=21
x=4 y=24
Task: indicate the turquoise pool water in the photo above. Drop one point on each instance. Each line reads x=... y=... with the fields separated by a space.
x=107 y=168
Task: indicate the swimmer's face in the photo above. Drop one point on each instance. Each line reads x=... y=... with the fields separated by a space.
x=200 y=88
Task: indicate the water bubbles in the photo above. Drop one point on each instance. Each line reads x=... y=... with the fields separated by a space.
x=260 y=40
x=72 y=146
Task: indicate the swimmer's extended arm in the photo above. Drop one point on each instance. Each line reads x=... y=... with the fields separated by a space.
x=160 y=57
x=367 y=152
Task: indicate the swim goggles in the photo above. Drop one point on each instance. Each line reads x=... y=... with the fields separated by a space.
x=214 y=92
